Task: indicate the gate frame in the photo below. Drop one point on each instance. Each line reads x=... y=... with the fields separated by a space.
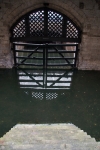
x=45 y=54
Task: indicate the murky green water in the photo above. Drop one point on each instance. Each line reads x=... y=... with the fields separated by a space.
x=50 y=97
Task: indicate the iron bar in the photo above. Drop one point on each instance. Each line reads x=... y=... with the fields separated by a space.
x=63 y=56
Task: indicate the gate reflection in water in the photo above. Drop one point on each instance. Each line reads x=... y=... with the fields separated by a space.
x=55 y=96
x=44 y=79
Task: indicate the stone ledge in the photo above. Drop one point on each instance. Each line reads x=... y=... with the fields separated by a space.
x=47 y=137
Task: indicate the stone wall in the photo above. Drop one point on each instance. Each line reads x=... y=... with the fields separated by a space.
x=86 y=14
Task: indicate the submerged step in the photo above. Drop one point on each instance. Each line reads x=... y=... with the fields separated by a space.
x=47 y=137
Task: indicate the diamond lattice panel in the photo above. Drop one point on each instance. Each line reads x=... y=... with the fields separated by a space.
x=54 y=24
x=37 y=95
x=36 y=23
x=19 y=30
x=50 y=96
x=72 y=32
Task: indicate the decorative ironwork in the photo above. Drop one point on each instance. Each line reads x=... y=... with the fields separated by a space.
x=20 y=30
x=55 y=22
x=45 y=23
x=37 y=95
x=36 y=23
x=50 y=96
x=72 y=31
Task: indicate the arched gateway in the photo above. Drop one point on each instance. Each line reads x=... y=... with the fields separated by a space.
x=45 y=38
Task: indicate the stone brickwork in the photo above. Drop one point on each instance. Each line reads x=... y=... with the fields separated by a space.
x=47 y=137
x=85 y=14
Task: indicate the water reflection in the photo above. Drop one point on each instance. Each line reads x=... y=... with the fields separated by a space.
x=76 y=101
x=41 y=79
x=44 y=79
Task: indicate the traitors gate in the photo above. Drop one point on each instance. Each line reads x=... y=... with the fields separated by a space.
x=45 y=38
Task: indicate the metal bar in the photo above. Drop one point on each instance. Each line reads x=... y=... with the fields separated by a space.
x=29 y=55
x=76 y=55
x=31 y=74
x=46 y=65
x=44 y=39
x=58 y=79
x=43 y=57
x=62 y=51
x=58 y=87
x=28 y=51
x=33 y=86
x=45 y=22
x=43 y=67
x=62 y=56
x=47 y=75
x=27 y=25
x=31 y=44
x=60 y=65
x=64 y=26
x=59 y=58
x=29 y=64
x=31 y=77
x=40 y=58
x=14 y=54
x=30 y=80
x=46 y=55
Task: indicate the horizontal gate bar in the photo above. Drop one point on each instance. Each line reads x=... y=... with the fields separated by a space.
x=29 y=51
x=59 y=58
x=33 y=86
x=33 y=81
x=29 y=64
x=47 y=75
x=40 y=58
x=43 y=45
x=44 y=39
x=62 y=51
x=40 y=51
x=42 y=81
x=59 y=64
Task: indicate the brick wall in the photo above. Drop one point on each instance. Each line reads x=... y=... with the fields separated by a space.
x=86 y=14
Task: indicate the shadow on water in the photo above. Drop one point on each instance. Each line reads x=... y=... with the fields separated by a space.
x=53 y=96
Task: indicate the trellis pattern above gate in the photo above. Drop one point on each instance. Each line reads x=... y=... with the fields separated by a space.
x=45 y=24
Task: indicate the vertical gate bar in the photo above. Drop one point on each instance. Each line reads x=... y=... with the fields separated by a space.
x=27 y=25
x=43 y=57
x=14 y=52
x=76 y=55
x=46 y=56
x=64 y=26
x=45 y=22
x=43 y=66
x=46 y=63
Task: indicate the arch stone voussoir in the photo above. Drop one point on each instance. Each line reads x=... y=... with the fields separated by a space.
x=68 y=8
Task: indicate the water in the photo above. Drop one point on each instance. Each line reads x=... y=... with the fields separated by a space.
x=50 y=97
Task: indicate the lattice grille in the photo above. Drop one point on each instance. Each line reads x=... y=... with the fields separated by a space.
x=72 y=32
x=50 y=96
x=37 y=95
x=54 y=24
x=36 y=23
x=46 y=23
x=19 y=30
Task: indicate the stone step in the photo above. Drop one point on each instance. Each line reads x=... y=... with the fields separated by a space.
x=47 y=137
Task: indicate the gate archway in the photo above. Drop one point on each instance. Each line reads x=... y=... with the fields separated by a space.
x=45 y=37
